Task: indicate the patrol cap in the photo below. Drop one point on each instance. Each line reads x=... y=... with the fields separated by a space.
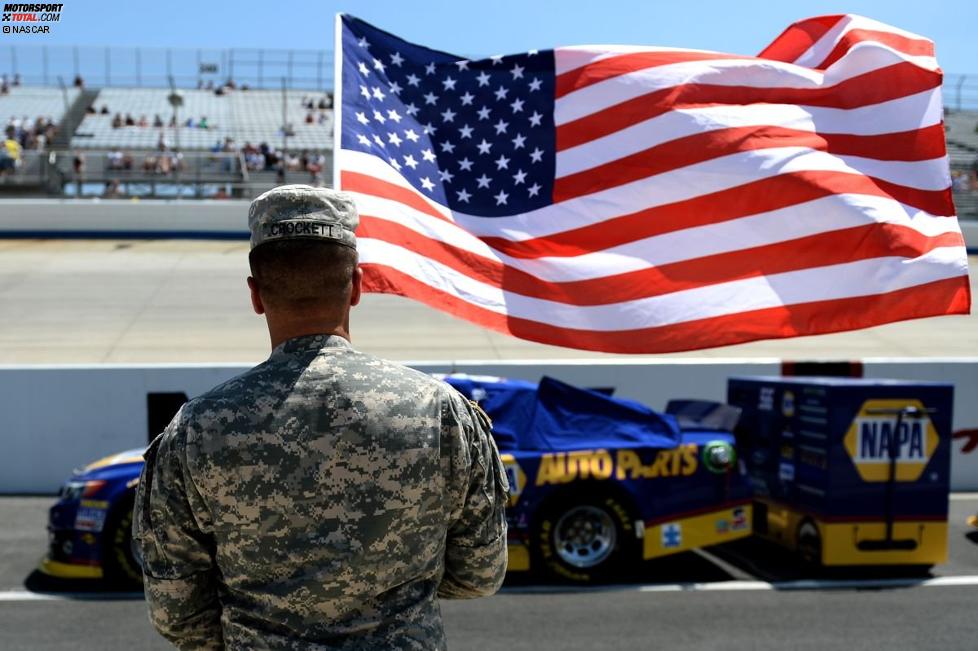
x=302 y=211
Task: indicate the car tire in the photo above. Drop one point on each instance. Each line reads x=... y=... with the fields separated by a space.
x=119 y=564
x=585 y=539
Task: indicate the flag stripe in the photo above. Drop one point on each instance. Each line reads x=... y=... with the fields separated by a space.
x=799 y=38
x=862 y=277
x=824 y=45
x=896 y=116
x=892 y=82
x=949 y=296
x=918 y=145
x=911 y=46
x=830 y=213
x=836 y=247
x=687 y=197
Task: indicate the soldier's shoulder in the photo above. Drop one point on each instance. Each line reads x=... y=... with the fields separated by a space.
x=395 y=374
x=238 y=390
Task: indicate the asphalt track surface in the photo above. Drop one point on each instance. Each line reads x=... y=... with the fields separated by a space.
x=744 y=596
x=94 y=301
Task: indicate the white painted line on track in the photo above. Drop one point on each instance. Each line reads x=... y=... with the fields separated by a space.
x=963 y=497
x=748 y=586
x=27 y=595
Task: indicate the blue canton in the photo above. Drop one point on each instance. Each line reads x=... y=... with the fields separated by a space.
x=476 y=136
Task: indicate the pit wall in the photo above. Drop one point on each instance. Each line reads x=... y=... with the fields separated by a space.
x=57 y=418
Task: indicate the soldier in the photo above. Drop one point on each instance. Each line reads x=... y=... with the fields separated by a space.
x=324 y=498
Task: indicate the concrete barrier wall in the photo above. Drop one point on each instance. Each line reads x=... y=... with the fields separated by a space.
x=56 y=418
x=161 y=218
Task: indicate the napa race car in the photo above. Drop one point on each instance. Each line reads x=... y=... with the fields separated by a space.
x=598 y=483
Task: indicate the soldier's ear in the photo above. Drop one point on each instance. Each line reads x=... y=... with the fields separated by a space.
x=256 y=303
x=357 y=286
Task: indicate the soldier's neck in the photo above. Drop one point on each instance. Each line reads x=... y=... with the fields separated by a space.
x=281 y=330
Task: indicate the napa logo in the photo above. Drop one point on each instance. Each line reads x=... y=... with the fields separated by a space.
x=515 y=476
x=873 y=437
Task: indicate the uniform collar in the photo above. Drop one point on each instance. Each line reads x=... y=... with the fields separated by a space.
x=306 y=343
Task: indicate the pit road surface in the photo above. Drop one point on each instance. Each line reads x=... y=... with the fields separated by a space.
x=734 y=611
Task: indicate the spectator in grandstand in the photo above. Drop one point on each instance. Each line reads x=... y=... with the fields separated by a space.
x=325 y=102
x=280 y=173
x=117 y=121
x=157 y=121
x=130 y=120
x=79 y=82
x=9 y=155
x=78 y=169
x=91 y=111
x=105 y=109
x=17 y=79
x=111 y=190
x=310 y=118
x=322 y=117
x=143 y=121
x=173 y=121
x=4 y=86
x=203 y=124
x=189 y=123
x=230 y=85
x=221 y=193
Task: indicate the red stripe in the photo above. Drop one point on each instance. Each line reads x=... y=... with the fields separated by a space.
x=889 y=83
x=911 y=46
x=623 y=64
x=950 y=296
x=751 y=198
x=917 y=145
x=823 y=249
x=795 y=41
x=357 y=182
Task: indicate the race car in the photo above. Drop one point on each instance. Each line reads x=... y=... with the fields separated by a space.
x=597 y=484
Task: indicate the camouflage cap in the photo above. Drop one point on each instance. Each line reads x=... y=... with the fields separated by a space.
x=302 y=211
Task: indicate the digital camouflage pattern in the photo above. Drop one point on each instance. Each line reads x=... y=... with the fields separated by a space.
x=320 y=500
x=302 y=211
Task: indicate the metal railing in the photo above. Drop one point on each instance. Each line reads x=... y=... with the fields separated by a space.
x=137 y=67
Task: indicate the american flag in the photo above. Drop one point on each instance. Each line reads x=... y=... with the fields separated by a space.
x=649 y=200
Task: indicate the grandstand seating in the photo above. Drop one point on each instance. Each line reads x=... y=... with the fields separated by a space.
x=252 y=116
x=35 y=102
x=960 y=128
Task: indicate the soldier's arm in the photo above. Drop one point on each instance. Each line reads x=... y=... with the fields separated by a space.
x=179 y=573
x=475 y=552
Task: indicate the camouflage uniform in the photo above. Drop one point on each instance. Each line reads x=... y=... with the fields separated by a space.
x=321 y=500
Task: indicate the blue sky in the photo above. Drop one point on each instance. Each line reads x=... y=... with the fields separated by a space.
x=481 y=28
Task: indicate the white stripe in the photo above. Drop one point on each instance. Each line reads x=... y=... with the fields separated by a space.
x=572 y=57
x=822 y=215
x=669 y=187
x=750 y=73
x=860 y=278
x=821 y=49
x=903 y=114
x=25 y=595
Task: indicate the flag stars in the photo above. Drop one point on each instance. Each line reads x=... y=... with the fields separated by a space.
x=393 y=115
x=496 y=59
x=364 y=70
x=412 y=79
x=535 y=119
x=483 y=79
x=430 y=98
x=501 y=127
x=533 y=190
x=411 y=109
x=447 y=147
x=411 y=135
x=519 y=178
x=365 y=92
x=427 y=184
x=428 y=155
x=535 y=84
x=363 y=43
x=397 y=59
x=445 y=176
x=465 y=164
x=448 y=115
x=429 y=129
x=448 y=83
x=519 y=141
x=484 y=146
x=484 y=112
x=467 y=98
x=501 y=93
x=430 y=68
x=394 y=139
x=502 y=163
x=396 y=88
x=379 y=118
x=362 y=117
x=517 y=72
x=395 y=164
x=379 y=141
x=378 y=93
x=483 y=181
x=536 y=155
x=379 y=65
x=501 y=198
x=363 y=140
x=410 y=162
x=517 y=105
x=463 y=196
x=465 y=131
x=462 y=65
